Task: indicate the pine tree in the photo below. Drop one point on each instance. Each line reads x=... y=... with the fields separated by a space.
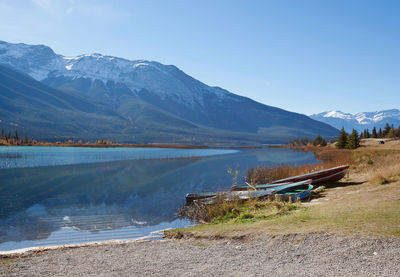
x=386 y=131
x=380 y=135
x=391 y=133
x=374 y=134
x=354 y=140
x=365 y=134
x=342 y=139
x=317 y=140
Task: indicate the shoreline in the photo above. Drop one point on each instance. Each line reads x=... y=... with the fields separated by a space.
x=351 y=229
x=299 y=254
x=369 y=192
x=172 y=146
x=25 y=252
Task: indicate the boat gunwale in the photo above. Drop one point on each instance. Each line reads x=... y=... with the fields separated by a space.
x=342 y=168
x=266 y=193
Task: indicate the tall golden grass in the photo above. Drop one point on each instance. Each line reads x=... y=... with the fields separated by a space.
x=329 y=157
x=379 y=166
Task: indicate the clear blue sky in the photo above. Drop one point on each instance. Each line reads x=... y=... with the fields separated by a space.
x=303 y=56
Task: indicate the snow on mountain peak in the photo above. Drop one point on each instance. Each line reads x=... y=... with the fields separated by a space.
x=140 y=64
x=338 y=114
x=20 y=50
x=41 y=63
x=359 y=121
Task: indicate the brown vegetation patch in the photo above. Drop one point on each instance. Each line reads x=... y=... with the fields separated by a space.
x=365 y=202
x=329 y=157
x=379 y=166
x=236 y=210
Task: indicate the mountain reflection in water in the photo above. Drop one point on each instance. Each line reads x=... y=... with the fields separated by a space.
x=133 y=194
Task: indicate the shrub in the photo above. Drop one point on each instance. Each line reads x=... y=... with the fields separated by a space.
x=319 y=189
x=379 y=180
x=238 y=211
x=319 y=141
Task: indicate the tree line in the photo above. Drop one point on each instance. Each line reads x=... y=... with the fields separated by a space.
x=387 y=132
x=349 y=141
x=299 y=142
x=352 y=141
x=14 y=138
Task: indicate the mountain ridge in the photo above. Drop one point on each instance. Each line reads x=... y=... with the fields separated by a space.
x=359 y=121
x=127 y=86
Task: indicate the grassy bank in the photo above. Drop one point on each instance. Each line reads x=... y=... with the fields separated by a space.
x=366 y=202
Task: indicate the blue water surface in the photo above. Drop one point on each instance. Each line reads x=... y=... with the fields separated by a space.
x=60 y=195
x=28 y=156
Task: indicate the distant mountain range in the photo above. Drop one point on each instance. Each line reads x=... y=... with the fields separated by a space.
x=359 y=121
x=95 y=96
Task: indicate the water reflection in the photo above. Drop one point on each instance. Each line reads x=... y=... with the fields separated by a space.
x=105 y=198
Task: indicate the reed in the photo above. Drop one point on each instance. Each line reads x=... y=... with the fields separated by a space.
x=236 y=210
x=328 y=157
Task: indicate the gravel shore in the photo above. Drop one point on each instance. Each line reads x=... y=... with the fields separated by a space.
x=317 y=254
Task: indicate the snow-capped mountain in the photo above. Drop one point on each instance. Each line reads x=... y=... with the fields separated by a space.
x=41 y=63
x=149 y=101
x=359 y=121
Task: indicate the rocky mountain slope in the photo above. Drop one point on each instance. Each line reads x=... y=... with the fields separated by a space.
x=162 y=97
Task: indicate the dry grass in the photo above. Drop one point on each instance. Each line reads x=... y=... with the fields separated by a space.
x=236 y=211
x=329 y=157
x=358 y=205
x=356 y=209
x=233 y=212
x=380 y=166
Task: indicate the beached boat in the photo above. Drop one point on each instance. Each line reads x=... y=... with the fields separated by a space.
x=190 y=197
x=297 y=191
x=248 y=186
x=325 y=176
x=294 y=193
x=234 y=195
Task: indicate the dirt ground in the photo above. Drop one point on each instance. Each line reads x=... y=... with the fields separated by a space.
x=312 y=254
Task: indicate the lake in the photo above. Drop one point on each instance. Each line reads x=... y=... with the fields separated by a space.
x=65 y=195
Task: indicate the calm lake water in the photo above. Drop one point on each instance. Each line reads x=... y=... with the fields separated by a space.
x=60 y=195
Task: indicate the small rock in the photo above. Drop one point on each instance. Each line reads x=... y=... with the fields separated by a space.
x=375 y=253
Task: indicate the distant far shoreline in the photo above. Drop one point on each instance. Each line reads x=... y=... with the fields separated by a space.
x=94 y=145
